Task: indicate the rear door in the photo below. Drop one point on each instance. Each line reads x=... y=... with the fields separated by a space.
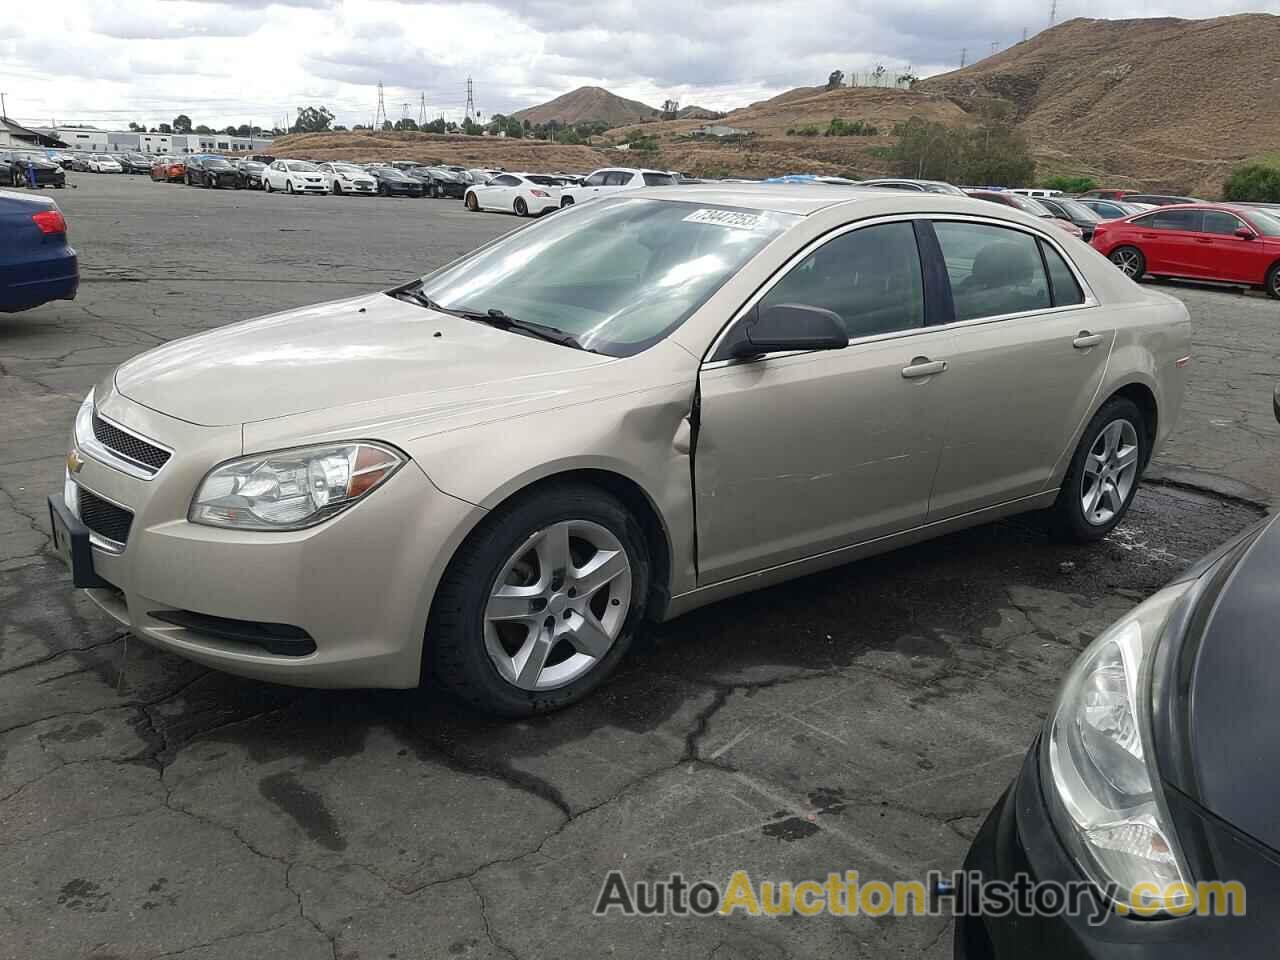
x=802 y=453
x=1167 y=239
x=1030 y=348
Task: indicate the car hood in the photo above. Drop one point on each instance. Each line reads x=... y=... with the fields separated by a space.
x=357 y=351
x=1215 y=724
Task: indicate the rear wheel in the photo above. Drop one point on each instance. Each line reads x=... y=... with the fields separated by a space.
x=540 y=603
x=1130 y=261
x=522 y=208
x=566 y=202
x=1103 y=476
x=1273 y=281
x=472 y=203
x=383 y=191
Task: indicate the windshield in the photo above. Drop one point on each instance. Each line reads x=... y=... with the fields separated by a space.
x=1077 y=211
x=619 y=275
x=216 y=162
x=1266 y=222
x=301 y=166
x=1027 y=205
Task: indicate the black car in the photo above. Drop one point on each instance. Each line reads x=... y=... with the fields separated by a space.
x=1158 y=199
x=394 y=183
x=13 y=170
x=1066 y=209
x=135 y=163
x=442 y=182
x=249 y=174
x=1159 y=763
x=212 y=172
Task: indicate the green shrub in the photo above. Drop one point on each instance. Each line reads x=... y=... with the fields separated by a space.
x=809 y=130
x=1254 y=183
x=850 y=128
x=1069 y=184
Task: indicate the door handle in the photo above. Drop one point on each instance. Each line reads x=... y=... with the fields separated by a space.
x=1150 y=236
x=1084 y=340
x=1204 y=240
x=923 y=367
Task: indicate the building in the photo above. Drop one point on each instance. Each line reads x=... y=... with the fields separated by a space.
x=15 y=135
x=94 y=140
x=720 y=130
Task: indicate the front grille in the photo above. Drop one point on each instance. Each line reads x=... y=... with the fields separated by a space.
x=103 y=518
x=127 y=445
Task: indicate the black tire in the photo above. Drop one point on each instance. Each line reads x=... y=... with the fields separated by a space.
x=187 y=179
x=472 y=203
x=208 y=181
x=455 y=654
x=288 y=186
x=1070 y=522
x=1273 y=281
x=337 y=187
x=266 y=186
x=566 y=202
x=522 y=208
x=1140 y=269
x=383 y=190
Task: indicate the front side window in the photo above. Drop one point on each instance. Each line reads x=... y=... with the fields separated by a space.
x=505 y=181
x=1182 y=220
x=596 y=179
x=1226 y=224
x=871 y=277
x=994 y=271
x=617 y=178
x=619 y=275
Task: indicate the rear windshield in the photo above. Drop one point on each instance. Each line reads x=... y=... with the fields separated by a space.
x=543 y=181
x=1077 y=211
x=658 y=179
x=618 y=274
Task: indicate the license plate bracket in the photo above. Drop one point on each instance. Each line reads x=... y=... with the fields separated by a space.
x=71 y=543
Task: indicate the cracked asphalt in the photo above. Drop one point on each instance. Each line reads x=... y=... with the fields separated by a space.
x=860 y=719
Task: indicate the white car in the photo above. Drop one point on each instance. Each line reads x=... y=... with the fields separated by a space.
x=347 y=178
x=521 y=193
x=105 y=165
x=613 y=179
x=294 y=176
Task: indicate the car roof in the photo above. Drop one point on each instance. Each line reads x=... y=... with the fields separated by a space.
x=808 y=198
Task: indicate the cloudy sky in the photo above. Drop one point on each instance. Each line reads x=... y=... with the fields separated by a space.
x=250 y=61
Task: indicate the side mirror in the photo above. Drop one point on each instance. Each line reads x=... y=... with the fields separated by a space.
x=1244 y=233
x=791 y=326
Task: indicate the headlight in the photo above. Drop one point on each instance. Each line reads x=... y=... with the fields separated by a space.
x=291 y=489
x=1096 y=763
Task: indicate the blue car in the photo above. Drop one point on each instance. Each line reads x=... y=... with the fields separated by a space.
x=36 y=263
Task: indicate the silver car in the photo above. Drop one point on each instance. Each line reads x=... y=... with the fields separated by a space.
x=493 y=476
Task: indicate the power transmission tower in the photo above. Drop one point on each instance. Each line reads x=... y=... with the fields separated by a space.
x=963 y=51
x=471 y=101
x=380 y=117
x=1024 y=34
x=422 y=110
x=995 y=45
x=1053 y=11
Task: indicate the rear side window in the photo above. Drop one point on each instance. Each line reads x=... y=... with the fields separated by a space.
x=1171 y=220
x=658 y=179
x=1062 y=282
x=1215 y=221
x=994 y=271
x=870 y=277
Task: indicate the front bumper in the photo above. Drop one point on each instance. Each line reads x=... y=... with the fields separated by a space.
x=358 y=585
x=1018 y=837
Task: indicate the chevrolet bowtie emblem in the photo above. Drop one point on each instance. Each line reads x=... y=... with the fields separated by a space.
x=74 y=461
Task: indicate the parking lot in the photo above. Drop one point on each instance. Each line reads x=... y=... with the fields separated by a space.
x=861 y=719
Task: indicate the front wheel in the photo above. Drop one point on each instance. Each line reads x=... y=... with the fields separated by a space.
x=1103 y=476
x=288 y=186
x=472 y=203
x=1273 y=281
x=337 y=188
x=266 y=186
x=540 y=603
x=1130 y=261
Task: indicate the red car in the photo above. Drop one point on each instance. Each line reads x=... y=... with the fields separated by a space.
x=1027 y=205
x=1199 y=241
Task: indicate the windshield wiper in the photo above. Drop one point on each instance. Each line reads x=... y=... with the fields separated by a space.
x=414 y=294
x=503 y=321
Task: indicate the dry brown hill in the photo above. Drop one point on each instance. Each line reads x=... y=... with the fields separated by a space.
x=1161 y=103
x=431 y=148
x=586 y=104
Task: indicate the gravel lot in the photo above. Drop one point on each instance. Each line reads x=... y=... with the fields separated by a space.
x=862 y=719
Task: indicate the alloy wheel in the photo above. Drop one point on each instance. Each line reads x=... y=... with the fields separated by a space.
x=558 y=605
x=1110 y=471
x=1128 y=261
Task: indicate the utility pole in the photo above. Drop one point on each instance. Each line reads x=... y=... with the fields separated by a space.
x=1024 y=34
x=380 y=117
x=4 y=111
x=471 y=100
x=963 y=51
x=994 y=46
x=1053 y=11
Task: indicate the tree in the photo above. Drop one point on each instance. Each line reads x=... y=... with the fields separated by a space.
x=165 y=128
x=202 y=129
x=990 y=153
x=1069 y=184
x=181 y=123
x=835 y=79
x=1253 y=183
x=137 y=127
x=670 y=109
x=339 y=128
x=514 y=128
x=313 y=120
x=471 y=128
x=406 y=123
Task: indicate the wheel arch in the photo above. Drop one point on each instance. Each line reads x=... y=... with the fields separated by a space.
x=1144 y=398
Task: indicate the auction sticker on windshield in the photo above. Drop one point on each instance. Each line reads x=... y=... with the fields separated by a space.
x=725 y=218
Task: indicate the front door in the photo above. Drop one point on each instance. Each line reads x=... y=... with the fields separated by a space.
x=1026 y=365
x=802 y=453
x=1227 y=256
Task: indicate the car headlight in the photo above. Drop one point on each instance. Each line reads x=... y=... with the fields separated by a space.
x=292 y=489
x=1101 y=783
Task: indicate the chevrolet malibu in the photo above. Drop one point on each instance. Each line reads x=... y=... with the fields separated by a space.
x=493 y=476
